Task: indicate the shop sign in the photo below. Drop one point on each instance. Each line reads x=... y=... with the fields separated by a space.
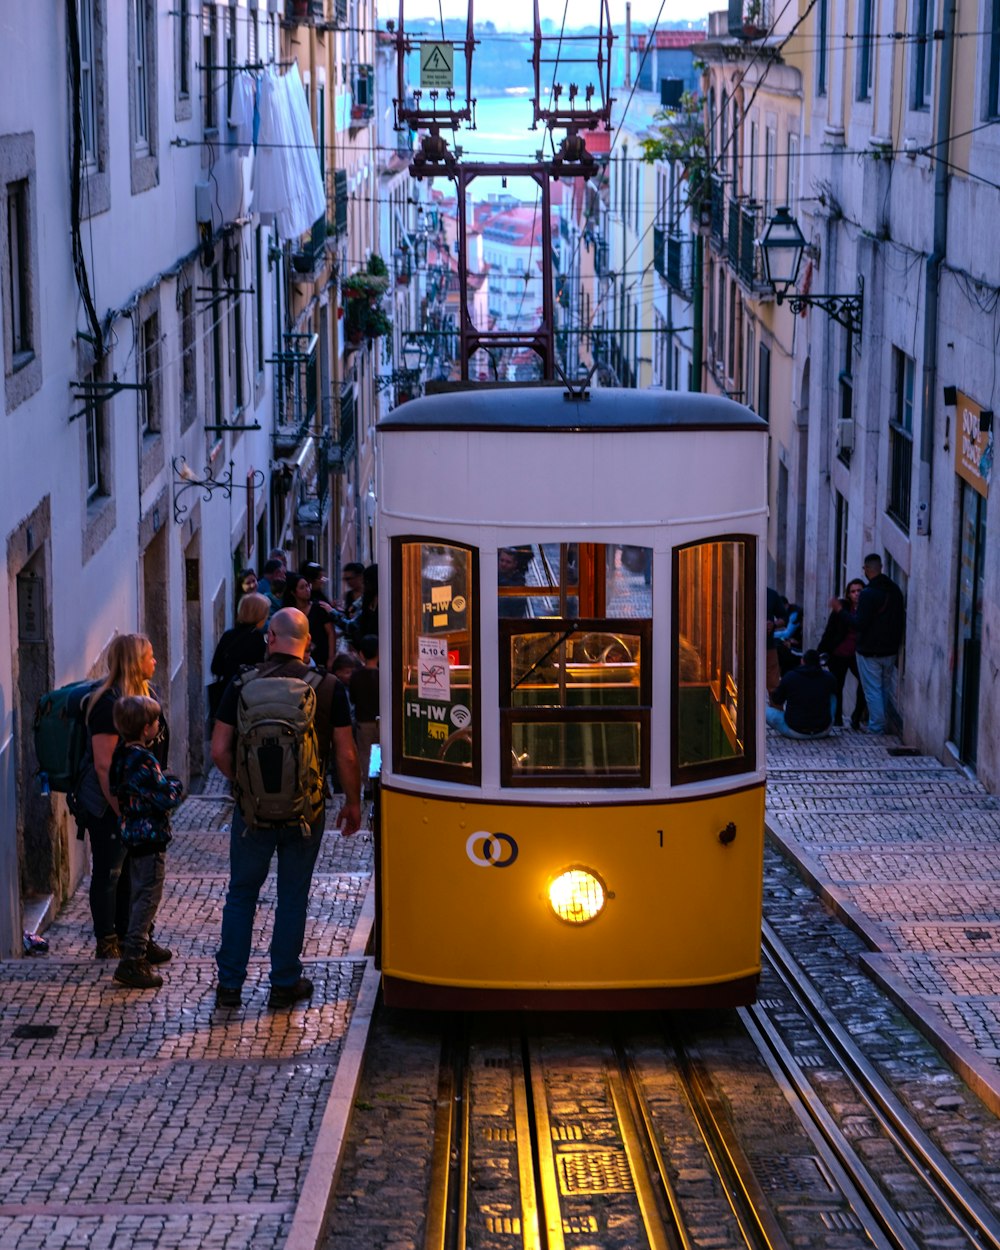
x=973 y=446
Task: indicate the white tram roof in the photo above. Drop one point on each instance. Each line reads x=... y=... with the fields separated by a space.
x=550 y=408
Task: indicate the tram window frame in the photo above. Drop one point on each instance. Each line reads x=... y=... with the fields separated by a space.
x=685 y=774
x=415 y=766
x=638 y=715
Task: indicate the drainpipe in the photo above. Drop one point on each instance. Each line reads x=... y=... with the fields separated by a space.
x=932 y=274
x=697 y=310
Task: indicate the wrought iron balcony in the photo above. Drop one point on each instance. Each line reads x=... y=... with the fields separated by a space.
x=718 y=201
x=734 y=234
x=680 y=264
x=340 y=201
x=750 y=269
x=362 y=93
x=295 y=389
x=659 y=257
x=344 y=443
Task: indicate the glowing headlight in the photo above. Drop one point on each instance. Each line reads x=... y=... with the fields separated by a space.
x=577 y=895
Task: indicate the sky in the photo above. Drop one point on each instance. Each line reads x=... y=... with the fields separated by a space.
x=517 y=14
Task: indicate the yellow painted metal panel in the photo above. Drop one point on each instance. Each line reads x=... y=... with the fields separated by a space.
x=459 y=910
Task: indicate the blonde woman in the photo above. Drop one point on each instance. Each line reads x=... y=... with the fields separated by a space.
x=241 y=645
x=131 y=665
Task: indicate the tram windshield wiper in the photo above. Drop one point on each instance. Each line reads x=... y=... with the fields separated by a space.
x=545 y=655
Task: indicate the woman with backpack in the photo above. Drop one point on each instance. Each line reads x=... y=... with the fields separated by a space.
x=131 y=665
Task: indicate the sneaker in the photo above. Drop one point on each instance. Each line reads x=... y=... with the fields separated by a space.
x=228 y=996
x=108 y=948
x=157 y=954
x=137 y=975
x=286 y=995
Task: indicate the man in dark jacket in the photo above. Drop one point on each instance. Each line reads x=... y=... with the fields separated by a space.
x=807 y=694
x=880 y=620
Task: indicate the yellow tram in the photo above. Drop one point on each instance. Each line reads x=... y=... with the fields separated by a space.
x=571 y=804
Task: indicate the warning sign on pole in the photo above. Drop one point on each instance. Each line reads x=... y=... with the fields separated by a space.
x=437 y=65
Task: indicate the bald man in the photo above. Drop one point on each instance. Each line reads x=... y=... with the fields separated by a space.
x=251 y=850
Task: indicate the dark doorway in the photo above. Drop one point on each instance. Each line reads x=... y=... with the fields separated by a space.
x=968 y=624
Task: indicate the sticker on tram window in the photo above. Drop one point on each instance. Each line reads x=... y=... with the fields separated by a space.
x=429 y=721
x=433 y=669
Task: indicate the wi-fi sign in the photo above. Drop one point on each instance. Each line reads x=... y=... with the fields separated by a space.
x=460 y=716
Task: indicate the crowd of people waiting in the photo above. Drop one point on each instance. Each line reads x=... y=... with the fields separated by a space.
x=285 y=623
x=862 y=636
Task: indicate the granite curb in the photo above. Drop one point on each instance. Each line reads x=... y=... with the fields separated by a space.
x=886 y=893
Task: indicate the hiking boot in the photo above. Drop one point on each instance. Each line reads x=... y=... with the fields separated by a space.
x=286 y=995
x=137 y=975
x=157 y=954
x=108 y=948
x=228 y=996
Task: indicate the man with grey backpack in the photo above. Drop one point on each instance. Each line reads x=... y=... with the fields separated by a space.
x=275 y=727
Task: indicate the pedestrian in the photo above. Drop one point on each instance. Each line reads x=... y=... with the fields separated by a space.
x=776 y=617
x=364 y=696
x=131 y=665
x=272 y=583
x=839 y=644
x=146 y=796
x=803 y=701
x=242 y=645
x=349 y=607
x=260 y=828
x=510 y=572
x=366 y=620
x=247 y=582
x=880 y=620
x=298 y=594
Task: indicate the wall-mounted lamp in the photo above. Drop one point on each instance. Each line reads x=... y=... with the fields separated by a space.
x=186 y=479
x=986 y=421
x=781 y=248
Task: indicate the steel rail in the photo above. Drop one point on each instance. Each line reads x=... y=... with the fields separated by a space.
x=443 y=1230
x=968 y=1212
x=751 y=1210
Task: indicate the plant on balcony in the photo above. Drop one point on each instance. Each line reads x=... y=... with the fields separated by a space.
x=681 y=138
x=363 y=291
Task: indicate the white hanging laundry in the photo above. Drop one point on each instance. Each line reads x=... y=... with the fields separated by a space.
x=313 y=191
x=241 y=110
x=270 y=188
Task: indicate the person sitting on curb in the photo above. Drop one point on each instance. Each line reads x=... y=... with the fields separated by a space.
x=803 y=702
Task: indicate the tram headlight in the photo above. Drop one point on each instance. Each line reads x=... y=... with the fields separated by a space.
x=577 y=895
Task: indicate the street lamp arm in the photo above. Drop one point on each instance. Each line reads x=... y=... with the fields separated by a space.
x=846 y=310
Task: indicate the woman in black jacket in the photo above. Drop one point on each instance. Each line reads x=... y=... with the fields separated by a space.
x=244 y=643
x=839 y=645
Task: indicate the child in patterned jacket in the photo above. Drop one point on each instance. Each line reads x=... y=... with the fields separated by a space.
x=146 y=796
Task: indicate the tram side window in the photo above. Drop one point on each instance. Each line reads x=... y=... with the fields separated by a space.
x=575 y=673
x=713 y=719
x=436 y=716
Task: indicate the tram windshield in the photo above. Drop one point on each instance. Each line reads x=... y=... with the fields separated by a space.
x=575 y=634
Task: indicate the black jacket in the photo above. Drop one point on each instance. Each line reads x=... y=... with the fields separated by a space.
x=880 y=618
x=805 y=693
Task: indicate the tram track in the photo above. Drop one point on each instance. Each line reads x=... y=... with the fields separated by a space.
x=550 y=1139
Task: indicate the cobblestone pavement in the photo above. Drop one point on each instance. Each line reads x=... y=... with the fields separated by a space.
x=907 y=852
x=137 y=1118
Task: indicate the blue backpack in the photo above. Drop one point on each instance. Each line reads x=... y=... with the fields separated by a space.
x=61 y=736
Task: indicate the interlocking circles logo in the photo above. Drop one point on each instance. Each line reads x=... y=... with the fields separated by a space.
x=491 y=850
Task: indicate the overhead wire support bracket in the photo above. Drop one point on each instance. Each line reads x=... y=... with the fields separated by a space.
x=101 y=392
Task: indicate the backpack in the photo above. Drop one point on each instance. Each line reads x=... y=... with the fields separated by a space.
x=61 y=735
x=280 y=770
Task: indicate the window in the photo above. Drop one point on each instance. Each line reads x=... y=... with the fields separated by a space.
x=712 y=706
x=792 y=178
x=923 y=54
x=866 y=61
x=736 y=149
x=213 y=358
x=88 y=85
x=993 y=97
x=209 y=112
x=189 y=358
x=18 y=274
x=258 y=302
x=846 y=383
x=140 y=94
x=724 y=137
x=822 y=24
x=435 y=712
x=252 y=37
x=575 y=672
x=751 y=399
x=183 y=15
x=840 y=539
x=901 y=440
x=230 y=58
x=149 y=374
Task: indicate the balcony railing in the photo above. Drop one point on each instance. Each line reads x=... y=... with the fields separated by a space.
x=734 y=233
x=296 y=388
x=750 y=269
x=305 y=10
x=602 y=264
x=900 y=476
x=718 y=199
x=310 y=257
x=659 y=251
x=343 y=447
x=680 y=264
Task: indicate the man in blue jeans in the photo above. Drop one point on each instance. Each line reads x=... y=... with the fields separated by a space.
x=880 y=620
x=251 y=850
